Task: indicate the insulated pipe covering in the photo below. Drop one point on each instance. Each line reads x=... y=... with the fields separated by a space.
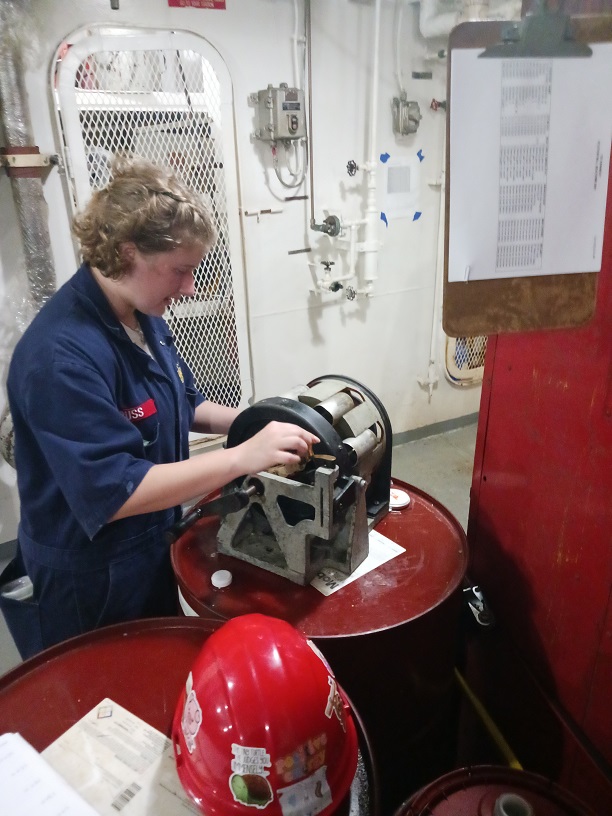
x=17 y=129
x=26 y=181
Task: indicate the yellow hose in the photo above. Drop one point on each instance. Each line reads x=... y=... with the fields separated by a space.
x=488 y=723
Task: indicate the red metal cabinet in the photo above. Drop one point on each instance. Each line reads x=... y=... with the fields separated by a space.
x=540 y=540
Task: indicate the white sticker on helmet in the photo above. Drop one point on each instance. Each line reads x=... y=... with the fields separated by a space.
x=307 y=797
x=192 y=716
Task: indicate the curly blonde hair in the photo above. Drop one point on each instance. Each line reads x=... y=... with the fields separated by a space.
x=143 y=204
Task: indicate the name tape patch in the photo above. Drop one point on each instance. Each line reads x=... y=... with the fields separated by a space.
x=139 y=412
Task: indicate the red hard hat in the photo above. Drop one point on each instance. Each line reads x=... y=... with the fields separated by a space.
x=263 y=724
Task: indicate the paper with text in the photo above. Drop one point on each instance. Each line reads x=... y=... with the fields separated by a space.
x=120 y=764
x=29 y=785
x=529 y=158
x=381 y=550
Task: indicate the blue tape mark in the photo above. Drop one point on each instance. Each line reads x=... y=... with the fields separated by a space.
x=417 y=215
x=420 y=155
x=383 y=217
x=384 y=157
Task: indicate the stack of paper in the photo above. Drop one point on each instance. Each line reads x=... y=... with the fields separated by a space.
x=30 y=786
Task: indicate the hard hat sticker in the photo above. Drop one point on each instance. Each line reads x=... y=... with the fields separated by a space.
x=334 y=703
x=192 y=716
x=304 y=761
x=306 y=798
x=249 y=760
x=248 y=783
x=252 y=790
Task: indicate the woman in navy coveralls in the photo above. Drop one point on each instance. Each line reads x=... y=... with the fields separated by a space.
x=102 y=405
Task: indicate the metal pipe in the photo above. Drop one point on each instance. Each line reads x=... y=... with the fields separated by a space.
x=308 y=26
x=370 y=244
x=432 y=378
x=297 y=77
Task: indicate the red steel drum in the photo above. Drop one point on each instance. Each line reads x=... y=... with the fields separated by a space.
x=389 y=636
x=141 y=665
x=488 y=790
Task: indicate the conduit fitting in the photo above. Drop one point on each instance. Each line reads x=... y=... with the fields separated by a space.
x=24 y=162
x=330 y=226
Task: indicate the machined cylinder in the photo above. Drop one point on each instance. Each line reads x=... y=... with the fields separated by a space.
x=335 y=407
x=360 y=446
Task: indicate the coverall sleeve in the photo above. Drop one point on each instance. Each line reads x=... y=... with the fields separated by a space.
x=95 y=454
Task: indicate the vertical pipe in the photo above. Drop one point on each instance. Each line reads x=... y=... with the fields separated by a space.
x=370 y=245
x=26 y=185
x=308 y=27
x=297 y=78
x=375 y=75
x=432 y=377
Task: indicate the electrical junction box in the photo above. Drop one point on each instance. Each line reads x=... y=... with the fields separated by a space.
x=406 y=115
x=280 y=114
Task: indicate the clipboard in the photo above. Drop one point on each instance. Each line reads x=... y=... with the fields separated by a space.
x=512 y=304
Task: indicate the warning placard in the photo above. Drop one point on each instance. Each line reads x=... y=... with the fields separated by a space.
x=203 y=4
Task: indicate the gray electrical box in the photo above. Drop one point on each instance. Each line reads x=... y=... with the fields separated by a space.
x=406 y=115
x=280 y=114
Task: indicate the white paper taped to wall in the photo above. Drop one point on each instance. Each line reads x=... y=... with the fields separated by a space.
x=529 y=158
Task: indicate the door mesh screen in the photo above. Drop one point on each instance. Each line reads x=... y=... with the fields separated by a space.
x=165 y=105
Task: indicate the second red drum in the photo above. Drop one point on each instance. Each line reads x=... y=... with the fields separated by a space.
x=390 y=636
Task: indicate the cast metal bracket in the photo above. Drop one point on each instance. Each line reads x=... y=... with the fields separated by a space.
x=479 y=606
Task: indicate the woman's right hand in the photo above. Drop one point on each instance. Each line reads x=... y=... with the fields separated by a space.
x=278 y=443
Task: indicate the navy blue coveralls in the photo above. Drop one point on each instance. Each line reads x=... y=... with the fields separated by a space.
x=92 y=412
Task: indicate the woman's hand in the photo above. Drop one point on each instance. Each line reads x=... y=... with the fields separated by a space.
x=279 y=443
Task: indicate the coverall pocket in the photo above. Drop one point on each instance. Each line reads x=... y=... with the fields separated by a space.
x=149 y=430
x=22 y=616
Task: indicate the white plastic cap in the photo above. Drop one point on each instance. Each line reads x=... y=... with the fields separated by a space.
x=221 y=579
x=398 y=499
x=511 y=804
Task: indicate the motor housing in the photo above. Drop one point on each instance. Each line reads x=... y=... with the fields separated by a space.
x=319 y=515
